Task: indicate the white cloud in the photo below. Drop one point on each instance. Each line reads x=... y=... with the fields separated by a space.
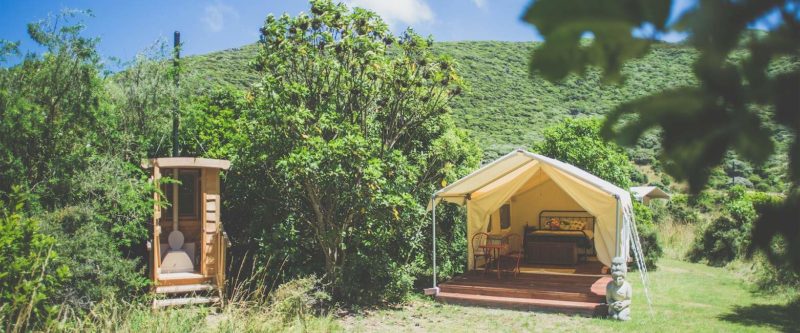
x=215 y=16
x=479 y=3
x=397 y=11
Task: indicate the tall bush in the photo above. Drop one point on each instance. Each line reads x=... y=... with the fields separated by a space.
x=76 y=138
x=31 y=271
x=350 y=130
x=728 y=236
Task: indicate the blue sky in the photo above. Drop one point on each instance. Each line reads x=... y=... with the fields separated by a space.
x=127 y=27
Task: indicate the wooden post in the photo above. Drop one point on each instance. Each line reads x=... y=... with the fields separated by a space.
x=175 y=214
x=203 y=219
x=155 y=255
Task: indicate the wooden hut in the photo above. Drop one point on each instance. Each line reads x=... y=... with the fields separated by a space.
x=187 y=247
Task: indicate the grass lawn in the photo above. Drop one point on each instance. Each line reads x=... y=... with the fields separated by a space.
x=686 y=298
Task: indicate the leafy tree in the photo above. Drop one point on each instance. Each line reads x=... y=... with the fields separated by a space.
x=48 y=109
x=71 y=135
x=578 y=142
x=139 y=103
x=729 y=109
x=212 y=124
x=351 y=124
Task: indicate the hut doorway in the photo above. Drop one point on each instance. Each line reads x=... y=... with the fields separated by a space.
x=188 y=245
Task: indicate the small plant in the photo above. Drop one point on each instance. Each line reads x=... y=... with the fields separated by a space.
x=30 y=274
x=299 y=298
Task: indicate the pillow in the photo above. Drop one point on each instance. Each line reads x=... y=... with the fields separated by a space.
x=566 y=225
x=578 y=225
x=553 y=224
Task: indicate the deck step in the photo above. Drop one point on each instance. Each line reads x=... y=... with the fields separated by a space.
x=187 y=288
x=556 y=295
x=535 y=304
x=160 y=303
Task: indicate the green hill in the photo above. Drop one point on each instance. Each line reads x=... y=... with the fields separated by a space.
x=504 y=106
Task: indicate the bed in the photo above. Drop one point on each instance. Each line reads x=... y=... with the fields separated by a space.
x=559 y=237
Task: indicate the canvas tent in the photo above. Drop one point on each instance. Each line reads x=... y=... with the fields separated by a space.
x=645 y=193
x=531 y=182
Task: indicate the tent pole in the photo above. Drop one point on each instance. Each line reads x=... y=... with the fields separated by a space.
x=433 y=227
x=616 y=240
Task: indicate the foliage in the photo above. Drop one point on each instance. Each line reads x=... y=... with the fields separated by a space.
x=100 y=269
x=648 y=235
x=682 y=211
x=728 y=236
x=299 y=298
x=32 y=273
x=137 y=98
x=44 y=98
x=742 y=93
x=502 y=107
x=75 y=138
x=213 y=120
x=351 y=125
x=578 y=142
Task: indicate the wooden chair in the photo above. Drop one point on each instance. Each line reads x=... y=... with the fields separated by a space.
x=479 y=239
x=512 y=258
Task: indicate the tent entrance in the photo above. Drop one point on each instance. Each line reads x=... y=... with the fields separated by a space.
x=551 y=227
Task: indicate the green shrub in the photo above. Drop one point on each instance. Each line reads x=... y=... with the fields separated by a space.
x=99 y=268
x=648 y=235
x=720 y=241
x=681 y=211
x=299 y=298
x=30 y=274
x=728 y=236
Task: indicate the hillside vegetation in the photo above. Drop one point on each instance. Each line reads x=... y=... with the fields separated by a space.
x=503 y=106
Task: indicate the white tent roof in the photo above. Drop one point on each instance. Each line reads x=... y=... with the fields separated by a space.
x=486 y=189
x=494 y=172
x=649 y=191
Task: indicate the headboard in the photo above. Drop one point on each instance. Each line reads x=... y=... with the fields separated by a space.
x=580 y=215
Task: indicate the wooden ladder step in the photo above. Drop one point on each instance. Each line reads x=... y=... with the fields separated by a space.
x=570 y=307
x=160 y=303
x=186 y=288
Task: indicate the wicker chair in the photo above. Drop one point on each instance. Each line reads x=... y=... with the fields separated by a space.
x=477 y=251
x=511 y=259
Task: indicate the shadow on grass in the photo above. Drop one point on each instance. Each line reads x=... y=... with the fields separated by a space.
x=785 y=318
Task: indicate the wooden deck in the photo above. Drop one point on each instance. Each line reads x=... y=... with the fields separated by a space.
x=579 y=290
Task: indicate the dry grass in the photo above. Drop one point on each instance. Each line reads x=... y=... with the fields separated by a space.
x=676 y=238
